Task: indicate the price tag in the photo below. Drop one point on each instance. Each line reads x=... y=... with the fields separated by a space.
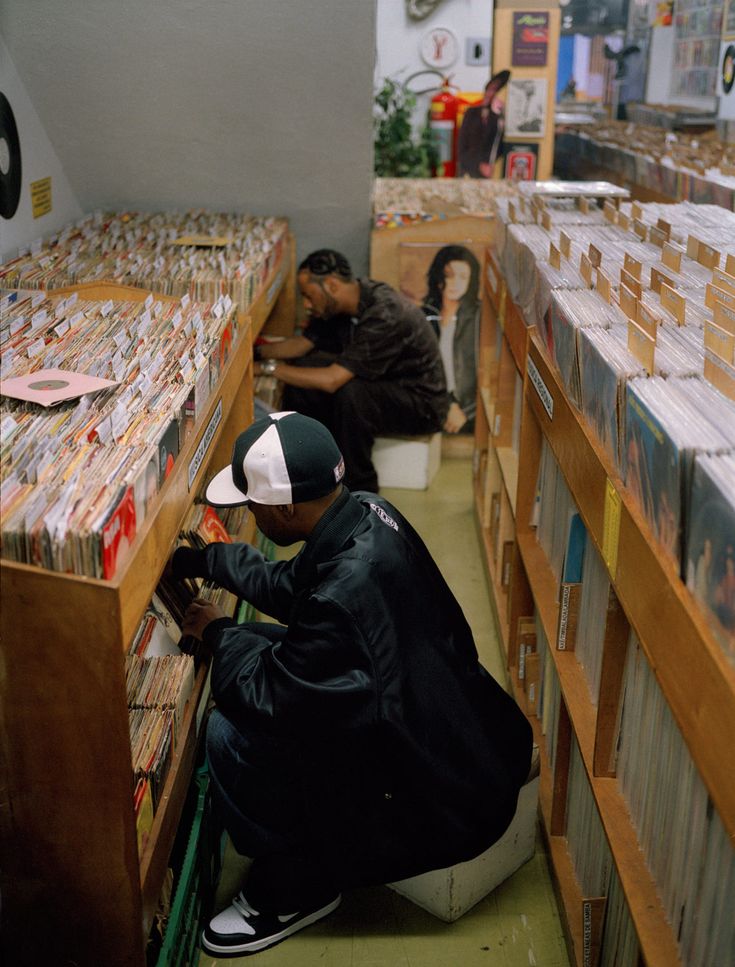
x=565 y=245
x=611 y=528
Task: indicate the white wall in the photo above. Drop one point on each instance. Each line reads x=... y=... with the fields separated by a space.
x=241 y=105
x=38 y=160
x=398 y=40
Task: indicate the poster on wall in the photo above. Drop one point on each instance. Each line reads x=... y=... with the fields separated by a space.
x=728 y=21
x=530 y=38
x=444 y=280
x=520 y=161
x=525 y=108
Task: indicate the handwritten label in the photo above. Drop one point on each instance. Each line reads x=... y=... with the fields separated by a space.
x=540 y=386
x=205 y=443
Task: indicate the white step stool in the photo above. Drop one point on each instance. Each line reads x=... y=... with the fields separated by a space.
x=453 y=891
x=408 y=462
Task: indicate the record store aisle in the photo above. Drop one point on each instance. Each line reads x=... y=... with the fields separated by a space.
x=517 y=925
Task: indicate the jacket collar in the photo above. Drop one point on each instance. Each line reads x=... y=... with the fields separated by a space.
x=329 y=535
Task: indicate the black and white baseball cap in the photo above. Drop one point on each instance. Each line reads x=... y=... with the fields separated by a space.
x=285 y=458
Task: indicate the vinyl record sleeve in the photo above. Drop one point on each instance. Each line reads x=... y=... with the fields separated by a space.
x=51 y=386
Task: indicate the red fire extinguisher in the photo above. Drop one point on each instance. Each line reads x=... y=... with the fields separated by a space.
x=443 y=124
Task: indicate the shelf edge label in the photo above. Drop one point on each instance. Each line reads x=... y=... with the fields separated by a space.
x=205 y=443
x=611 y=528
x=540 y=386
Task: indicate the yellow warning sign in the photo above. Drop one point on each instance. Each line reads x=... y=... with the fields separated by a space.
x=41 y=197
x=611 y=528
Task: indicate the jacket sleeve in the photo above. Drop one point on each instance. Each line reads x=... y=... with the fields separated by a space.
x=242 y=569
x=319 y=677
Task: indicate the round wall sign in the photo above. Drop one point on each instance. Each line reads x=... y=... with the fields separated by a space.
x=439 y=47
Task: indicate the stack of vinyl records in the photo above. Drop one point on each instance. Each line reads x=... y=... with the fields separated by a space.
x=682 y=837
x=97 y=401
x=200 y=254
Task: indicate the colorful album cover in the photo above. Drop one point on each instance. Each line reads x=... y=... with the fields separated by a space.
x=711 y=545
x=212 y=529
x=118 y=533
x=168 y=450
x=654 y=472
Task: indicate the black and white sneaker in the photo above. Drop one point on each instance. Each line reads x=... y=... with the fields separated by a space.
x=240 y=929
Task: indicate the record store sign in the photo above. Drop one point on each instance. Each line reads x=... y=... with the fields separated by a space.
x=205 y=443
x=540 y=386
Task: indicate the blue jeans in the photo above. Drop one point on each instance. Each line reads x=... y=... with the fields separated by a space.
x=258 y=797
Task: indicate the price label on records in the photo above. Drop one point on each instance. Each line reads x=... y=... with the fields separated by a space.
x=149 y=301
x=36 y=348
x=17 y=324
x=185 y=300
x=62 y=328
x=611 y=528
x=106 y=308
x=217 y=310
x=176 y=321
x=38 y=320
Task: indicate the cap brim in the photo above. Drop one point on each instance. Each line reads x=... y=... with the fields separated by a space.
x=222 y=491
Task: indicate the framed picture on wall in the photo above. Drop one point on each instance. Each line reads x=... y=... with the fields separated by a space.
x=728 y=20
x=525 y=108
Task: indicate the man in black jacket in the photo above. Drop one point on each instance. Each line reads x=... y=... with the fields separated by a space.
x=366 y=364
x=360 y=742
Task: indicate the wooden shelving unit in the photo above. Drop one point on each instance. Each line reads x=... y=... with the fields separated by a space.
x=74 y=888
x=647 y=594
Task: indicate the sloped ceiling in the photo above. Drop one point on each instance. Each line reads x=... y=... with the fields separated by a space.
x=255 y=105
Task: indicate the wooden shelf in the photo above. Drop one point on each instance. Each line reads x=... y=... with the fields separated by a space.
x=647 y=594
x=67 y=821
x=499 y=597
x=673 y=632
x=508 y=460
x=654 y=933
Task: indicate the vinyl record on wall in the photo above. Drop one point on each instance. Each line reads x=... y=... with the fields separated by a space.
x=10 y=167
x=728 y=68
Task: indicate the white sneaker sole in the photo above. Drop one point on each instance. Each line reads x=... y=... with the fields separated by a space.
x=253 y=946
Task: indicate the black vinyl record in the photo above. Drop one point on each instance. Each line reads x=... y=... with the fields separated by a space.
x=10 y=168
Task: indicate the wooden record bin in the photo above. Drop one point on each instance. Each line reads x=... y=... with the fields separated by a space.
x=690 y=668
x=74 y=889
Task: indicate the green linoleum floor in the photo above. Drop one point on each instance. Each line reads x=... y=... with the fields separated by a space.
x=515 y=926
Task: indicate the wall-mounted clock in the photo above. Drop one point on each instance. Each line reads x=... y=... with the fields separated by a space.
x=439 y=47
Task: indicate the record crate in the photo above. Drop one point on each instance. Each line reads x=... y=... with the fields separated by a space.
x=196 y=881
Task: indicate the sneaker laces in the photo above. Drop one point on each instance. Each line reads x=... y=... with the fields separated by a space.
x=243 y=907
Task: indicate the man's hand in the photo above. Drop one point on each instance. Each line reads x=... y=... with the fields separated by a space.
x=198 y=615
x=456 y=418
